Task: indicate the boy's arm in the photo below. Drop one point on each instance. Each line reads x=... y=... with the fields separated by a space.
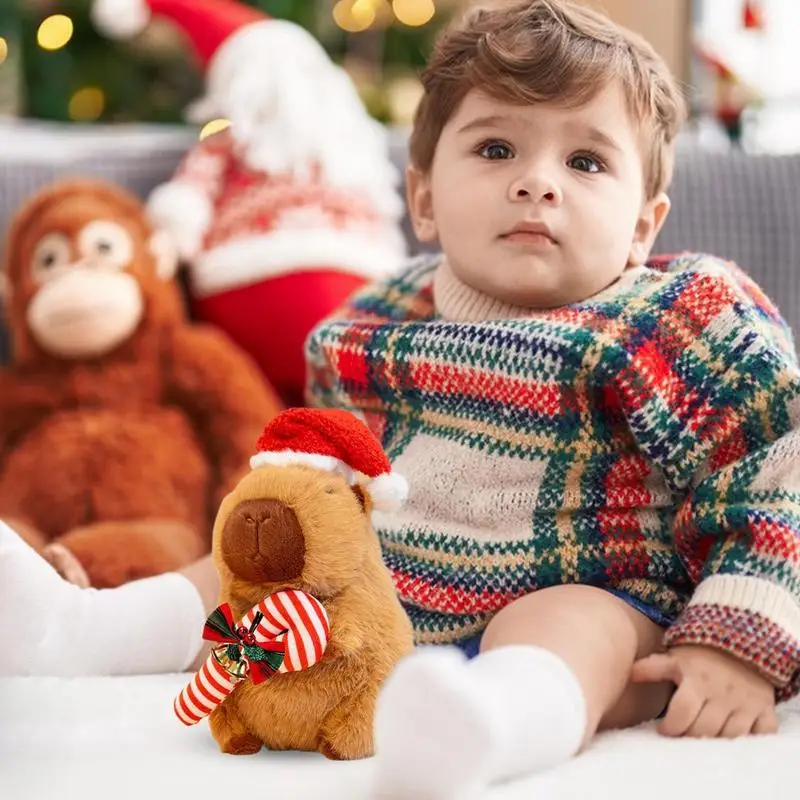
x=711 y=390
x=344 y=353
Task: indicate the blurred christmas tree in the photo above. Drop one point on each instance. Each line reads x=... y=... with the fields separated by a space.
x=55 y=66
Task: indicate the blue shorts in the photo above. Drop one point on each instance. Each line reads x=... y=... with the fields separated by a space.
x=471 y=646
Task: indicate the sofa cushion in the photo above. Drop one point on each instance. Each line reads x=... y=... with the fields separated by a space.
x=745 y=208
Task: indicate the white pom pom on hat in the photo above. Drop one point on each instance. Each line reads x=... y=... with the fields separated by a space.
x=121 y=19
x=208 y=24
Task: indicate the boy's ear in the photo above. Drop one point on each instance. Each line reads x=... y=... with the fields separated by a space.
x=654 y=214
x=420 y=204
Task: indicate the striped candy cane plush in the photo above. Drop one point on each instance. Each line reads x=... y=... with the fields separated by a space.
x=298 y=617
x=286 y=632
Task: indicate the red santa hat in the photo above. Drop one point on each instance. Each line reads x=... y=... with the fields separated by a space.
x=334 y=441
x=207 y=23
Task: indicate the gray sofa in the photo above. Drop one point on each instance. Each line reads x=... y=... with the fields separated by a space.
x=742 y=207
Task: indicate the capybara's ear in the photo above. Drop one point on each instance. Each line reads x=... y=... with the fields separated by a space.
x=363 y=497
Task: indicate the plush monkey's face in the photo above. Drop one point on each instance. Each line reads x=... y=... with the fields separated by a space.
x=80 y=269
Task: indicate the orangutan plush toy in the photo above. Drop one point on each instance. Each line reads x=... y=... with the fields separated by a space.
x=310 y=624
x=122 y=426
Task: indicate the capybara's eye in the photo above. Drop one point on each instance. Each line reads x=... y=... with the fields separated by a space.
x=330 y=490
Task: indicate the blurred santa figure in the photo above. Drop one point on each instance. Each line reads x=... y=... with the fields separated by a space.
x=284 y=214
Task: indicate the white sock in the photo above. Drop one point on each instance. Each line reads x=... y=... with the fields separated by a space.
x=431 y=737
x=539 y=704
x=53 y=628
x=446 y=728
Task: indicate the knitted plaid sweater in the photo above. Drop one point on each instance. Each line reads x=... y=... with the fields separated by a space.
x=647 y=439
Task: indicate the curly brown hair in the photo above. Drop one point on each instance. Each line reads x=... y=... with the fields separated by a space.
x=534 y=51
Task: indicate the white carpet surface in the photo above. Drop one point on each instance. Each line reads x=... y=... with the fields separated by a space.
x=117 y=738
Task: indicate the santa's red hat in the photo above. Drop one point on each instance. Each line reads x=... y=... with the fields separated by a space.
x=334 y=441
x=207 y=23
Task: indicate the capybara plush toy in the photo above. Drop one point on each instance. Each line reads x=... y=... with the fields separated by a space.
x=122 y=424
x=300 y=520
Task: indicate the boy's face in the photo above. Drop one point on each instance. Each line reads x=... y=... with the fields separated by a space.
x=538 y=205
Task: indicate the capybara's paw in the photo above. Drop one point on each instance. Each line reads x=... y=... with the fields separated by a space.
x=346 y=733
x=230 y=733
x=346 y=748
x=244 y=745
x=329 y=752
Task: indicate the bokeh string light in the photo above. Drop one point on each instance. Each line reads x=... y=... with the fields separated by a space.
x=215 y=126
x=414 y=12
x=355 y=16
x=87 y=104
x=55 y=32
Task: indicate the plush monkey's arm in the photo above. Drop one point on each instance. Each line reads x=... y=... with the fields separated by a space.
x=24 y=401
x=223 y=391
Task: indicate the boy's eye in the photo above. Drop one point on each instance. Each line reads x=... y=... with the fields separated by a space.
x=495 y=151
x=586 y=163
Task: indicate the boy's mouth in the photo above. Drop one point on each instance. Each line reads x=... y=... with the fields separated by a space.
x=536 y=233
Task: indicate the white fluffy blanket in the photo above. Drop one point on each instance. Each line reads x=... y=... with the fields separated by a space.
x=117 y=738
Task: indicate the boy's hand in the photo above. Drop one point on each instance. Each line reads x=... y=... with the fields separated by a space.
x=717 y=694
x=66 y=564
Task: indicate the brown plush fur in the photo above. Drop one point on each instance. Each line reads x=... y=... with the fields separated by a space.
x=123 y=459
x=330 y=707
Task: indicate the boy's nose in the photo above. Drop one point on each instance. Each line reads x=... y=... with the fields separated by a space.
x=537 y=188
x=262 y=542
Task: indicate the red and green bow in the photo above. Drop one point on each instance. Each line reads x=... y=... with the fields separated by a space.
x=264 y=658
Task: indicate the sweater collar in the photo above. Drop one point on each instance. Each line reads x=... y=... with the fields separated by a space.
x=457 y=302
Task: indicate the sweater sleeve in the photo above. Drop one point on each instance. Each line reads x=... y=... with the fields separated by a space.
x=345 y=353
x=709 y=383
